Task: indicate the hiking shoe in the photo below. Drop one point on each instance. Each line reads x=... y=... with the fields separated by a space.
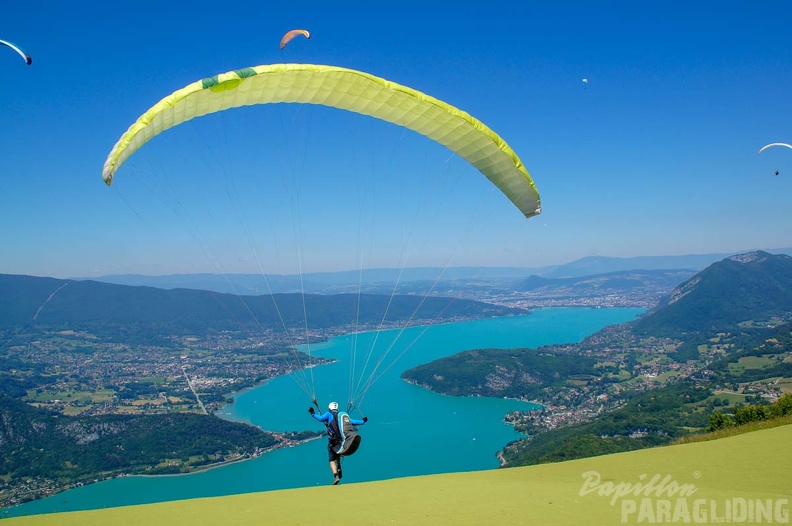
x=336 y=478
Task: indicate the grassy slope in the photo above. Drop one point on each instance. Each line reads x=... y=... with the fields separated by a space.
x=750 y=466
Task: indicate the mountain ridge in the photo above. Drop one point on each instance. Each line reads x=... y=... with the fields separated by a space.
x=750 y=286
x=316 y=282
x=79 y=304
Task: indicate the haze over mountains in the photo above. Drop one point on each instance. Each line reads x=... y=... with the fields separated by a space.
x=760 y=275
x=414 y=280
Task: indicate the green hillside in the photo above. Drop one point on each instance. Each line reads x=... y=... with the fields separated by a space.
x=147 y=313
x=747 y=473
x=755 y=286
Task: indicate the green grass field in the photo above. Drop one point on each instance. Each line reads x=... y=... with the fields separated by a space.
x=748 y=473
x=733 y=398
x=750 y=362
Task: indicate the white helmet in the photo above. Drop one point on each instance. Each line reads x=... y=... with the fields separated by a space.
x=333 y=406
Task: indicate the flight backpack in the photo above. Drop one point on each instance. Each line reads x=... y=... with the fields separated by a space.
x=343 y=431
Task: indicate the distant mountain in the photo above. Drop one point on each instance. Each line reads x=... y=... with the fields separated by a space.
x=752 y=286
x=602 y=265
x=591 y=265
x=368 y=280
x=410 y=280
x=151 y=311
x=620 y=281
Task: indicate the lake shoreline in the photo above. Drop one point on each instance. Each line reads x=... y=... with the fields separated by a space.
x=475 y=422
x=209 y=467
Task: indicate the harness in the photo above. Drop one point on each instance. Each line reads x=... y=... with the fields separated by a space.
x=333 y=428
x=343 y=433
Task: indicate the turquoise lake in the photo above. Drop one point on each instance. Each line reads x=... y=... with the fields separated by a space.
x=411 y=431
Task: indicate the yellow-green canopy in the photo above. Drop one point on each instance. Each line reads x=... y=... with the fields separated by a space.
x=344 y=89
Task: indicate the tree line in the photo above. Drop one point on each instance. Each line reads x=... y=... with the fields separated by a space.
x=747 y=413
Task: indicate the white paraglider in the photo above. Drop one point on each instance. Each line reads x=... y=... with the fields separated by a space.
x=775 y=144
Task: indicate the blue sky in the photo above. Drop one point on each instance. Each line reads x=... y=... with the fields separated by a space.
x=656 y=155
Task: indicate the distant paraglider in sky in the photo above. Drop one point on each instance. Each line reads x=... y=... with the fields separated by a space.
x=22 y=54
x=775 y=144
x=585 y=83
x=291 y=34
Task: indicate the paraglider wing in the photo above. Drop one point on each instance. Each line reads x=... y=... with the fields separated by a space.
x=775 y=144
x=291 y=34
x=22 y=54
x=345 y=89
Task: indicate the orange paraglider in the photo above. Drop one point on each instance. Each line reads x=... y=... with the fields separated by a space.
x=291 y=34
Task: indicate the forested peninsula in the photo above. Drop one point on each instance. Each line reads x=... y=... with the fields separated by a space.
x=53 y=452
